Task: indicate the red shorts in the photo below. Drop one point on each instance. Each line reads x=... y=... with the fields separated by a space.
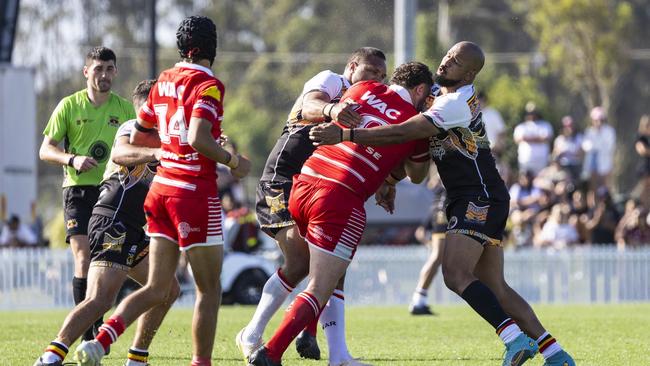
x=329 y=216
x=190 y=222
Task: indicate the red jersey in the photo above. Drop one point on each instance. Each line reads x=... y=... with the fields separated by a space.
x=364 y=168
x=182 y=92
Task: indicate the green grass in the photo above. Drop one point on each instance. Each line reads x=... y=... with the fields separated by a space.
x=605 y=335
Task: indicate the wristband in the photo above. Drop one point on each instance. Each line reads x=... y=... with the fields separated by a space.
x=345 y=134
x=391 y=179
x=71 y=160
x=233 y=162
x=329 y=111
x=352 y=135
x=141 y=128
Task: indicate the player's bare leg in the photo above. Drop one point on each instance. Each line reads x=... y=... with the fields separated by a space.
x=277 y=288
x=163 y=258
x=105 y=283
x=461 y=256
x=325 y=272
x=206 y=265
x=149 y=322
x=419 y=305
x=490 y=270
x=80 y=247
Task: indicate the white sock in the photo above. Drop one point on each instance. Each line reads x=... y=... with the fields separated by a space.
x=135 y=352
x=52 y=351
x=332 y=319
x=508 y=332
x=274 y=293
x=135 y=363
x=419 y=297
x=50 y=357
x=548 y=347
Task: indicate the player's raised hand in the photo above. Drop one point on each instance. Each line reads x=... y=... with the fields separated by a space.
x=242 y=169
x=385 y=197
x=325 y=134
x=83 y=163
x=346 y=114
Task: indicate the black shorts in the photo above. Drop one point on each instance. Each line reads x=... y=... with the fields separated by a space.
x=78 y=202
x=272 y=206
x=479 y=218
x=115 y=244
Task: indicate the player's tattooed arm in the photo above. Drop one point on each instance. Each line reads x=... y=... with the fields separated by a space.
x=416 y=127
x=317 y=107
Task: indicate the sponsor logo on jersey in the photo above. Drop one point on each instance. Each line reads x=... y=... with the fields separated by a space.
x=99 y=150
x=476 y=214
x=114 y=121
x=184 y=229
x=380 y=105
x=169 y=89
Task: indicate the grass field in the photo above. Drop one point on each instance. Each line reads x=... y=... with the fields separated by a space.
x=609 y=335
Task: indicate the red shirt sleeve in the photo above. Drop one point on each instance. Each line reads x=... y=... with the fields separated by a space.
x=420 y=151
x=146 y=113
x=208 y=103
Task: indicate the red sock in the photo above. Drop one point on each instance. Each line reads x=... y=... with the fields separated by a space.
x=201 y=361
x=110 y=330
x=311 y=327
x=304 y=310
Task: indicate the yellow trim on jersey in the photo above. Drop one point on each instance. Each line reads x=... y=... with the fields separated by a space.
x=212 y=92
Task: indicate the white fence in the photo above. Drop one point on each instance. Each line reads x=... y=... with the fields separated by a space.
x=41 y=278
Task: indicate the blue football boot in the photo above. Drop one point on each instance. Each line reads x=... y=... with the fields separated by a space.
x=560 y=359
x=519 y=350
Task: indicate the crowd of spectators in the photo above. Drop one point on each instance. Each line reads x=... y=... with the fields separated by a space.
x=563 y=196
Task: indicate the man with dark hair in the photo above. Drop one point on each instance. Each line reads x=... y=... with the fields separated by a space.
x=118 y=245
x=477 y=203
x=327 y=200
x=86 y=122
x=182 y=207
x=316 y=103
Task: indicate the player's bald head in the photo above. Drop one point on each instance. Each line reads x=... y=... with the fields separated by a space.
x=472 y=54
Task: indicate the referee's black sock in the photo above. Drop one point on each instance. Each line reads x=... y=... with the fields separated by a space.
x=483 y=301
x=79 y=286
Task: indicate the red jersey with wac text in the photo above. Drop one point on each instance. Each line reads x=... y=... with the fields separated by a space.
x=182 y=92
x=364 y=168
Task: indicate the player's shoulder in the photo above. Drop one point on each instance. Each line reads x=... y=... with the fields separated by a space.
x=462 y=99
x=365 y=86
x=126 y=127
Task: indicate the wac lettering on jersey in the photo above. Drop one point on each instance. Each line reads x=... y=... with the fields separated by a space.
x=380 y=105
x=169 y=89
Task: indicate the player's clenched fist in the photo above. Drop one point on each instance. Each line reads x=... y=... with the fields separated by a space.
x=242 y=169
x=346 y=114
x=325 y=134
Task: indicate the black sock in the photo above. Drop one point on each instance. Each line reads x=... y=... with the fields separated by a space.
x=79 y=286
x=483 y=301
x=79 y=289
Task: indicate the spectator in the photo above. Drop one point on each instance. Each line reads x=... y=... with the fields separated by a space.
x=558 y=232
x=602 y=217
x=578 y=216
x=633 y=230
x=551 y=175
x=532 y=137
x=523 y=195
x=567 y=148
x=642 y=190
x=598 y=144
x=16 y=235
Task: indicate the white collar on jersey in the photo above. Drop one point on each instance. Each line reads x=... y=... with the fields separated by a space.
x=402 y=92
x=188 y=65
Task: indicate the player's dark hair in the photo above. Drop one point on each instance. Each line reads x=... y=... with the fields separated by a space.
x=196 y=39
x=101 y=53
x=141 y=91
x=412 y=74
x=364 y=53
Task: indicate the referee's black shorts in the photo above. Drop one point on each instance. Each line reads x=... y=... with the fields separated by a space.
x=78 y=202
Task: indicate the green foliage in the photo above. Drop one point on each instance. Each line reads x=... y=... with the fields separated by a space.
x=585 y=42
x=593 y=334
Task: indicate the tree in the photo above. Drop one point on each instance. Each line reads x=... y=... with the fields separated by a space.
x=585 y=41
